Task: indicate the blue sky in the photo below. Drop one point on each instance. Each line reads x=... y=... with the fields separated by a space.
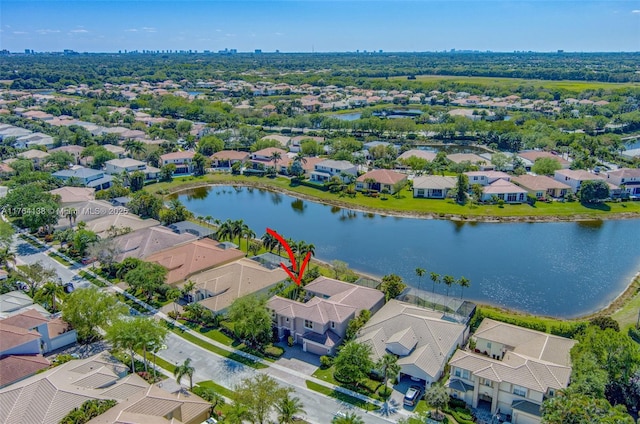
x=300 y=26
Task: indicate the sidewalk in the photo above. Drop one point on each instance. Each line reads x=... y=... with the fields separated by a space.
x=284 y=374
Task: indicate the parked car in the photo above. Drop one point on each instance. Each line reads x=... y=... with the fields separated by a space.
x=412 y=396
x=68 y=287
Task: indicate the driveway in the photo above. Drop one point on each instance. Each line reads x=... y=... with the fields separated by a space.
x=209 y=366
x=298 y=360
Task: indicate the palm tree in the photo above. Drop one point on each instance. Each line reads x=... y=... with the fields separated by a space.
x=71 y=214
x=436 y=280
x=208 y=219
x=420 y=273
x=348 y=418
x=210 y=395
x=134 y=147
x=448 y=280
x=239 y=229
x=188 y=287
x=52 y=291
x=300 y=157
x=6 y=256
x=225 y=230
x=173 y=295
x=463 y=282
x=388 y=365
x=237 y=414
x=269 y=242
x=248 y=233
x=288 y=407
x=184 y=369
x=275 y=157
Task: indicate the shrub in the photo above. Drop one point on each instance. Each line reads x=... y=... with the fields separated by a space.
x=326 y=362
x=290 y=340
x=457 y=403
x=634 y=333
x=273 y=351
x=172 y=314
x=88 y=410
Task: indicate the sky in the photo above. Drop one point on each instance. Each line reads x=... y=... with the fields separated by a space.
x=320 y=25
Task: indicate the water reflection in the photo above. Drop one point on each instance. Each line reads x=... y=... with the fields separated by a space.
x=298 y=206
x=595 y=224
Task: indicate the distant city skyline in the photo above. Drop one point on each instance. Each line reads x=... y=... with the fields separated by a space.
x=320 y=26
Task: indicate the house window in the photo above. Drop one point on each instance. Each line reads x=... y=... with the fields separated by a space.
x=552 y=393
x=437 y=192
x=287 y=320
x=485 y=382
x=420 y=192
x=511 y=197
x=308 y=324
x=519 y=391
x=488 y=345
x=458 y=372
x=465 y=374
x=333 y=324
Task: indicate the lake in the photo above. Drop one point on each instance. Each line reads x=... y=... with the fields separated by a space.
x=559 y=269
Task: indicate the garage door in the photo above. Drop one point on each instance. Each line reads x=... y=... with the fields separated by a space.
x=520 y=418
x=318 y=350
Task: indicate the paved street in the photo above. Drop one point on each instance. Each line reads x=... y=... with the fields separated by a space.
x=209 y=366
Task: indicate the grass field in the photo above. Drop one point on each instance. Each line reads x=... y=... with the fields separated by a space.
x=573 y=86
x=629 y=313
x=407 y=204
x=340 y=396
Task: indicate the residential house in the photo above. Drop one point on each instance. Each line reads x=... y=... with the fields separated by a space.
x=70 y=195
x=87 y=177
x=323 y=171
x=627 y=178
x=34 y=140
x=14 y=368
x=422 y=339
x=49 y=396
x=7 y=131
x=283 y=140
x=226 y=158
x=116 y=150
x=189 y=227
x=473 y=159
x=320 y=324
x=575 y=177
x=188 y=259
x=541 y=186
x=217 y=288
x=422 y=154
x=127 y=165
x=16 y=301
x=29 y=332
x=72 y=213
x=147 y=241
x=433 y=186
x=533 y=155
x=381 y=180
x=511 y=370
x=503 y=190
x=484 y=178
x=118 y=221
x=182 y=161
x=37 y=157
x=75 y=151
x=262 y=159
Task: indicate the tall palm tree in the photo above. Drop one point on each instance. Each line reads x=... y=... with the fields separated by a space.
x=184 y=369
x=448 y=280
x=172 y=296
x=6 y=256
x=71 y=214
x=388 y=365
x=275 y=157
x=188 y=287
x=225 y=230
x=463 y=283
x=288 y=407
x=436 y=280
x=420 y=273
x=239 y=228
x=248 y=233
x=300 y=157
x=53 y=291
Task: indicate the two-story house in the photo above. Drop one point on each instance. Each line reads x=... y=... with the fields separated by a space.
x=511 y=370
x=86 y=177
x=484 y=178
x=627 y=178
x=264 y=159
x=127 y=165
x=320 y=324
x=323 y=171
x=575 y=177
x=29 y=332
x=182 y=161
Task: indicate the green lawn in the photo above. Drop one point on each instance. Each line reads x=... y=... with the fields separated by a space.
x=92 y=279
x=215 y=349
x=368 y=388
x=545 y=324
x=218 y=388
x=627 y=315
x=340 y=396
x=59 y=258
x=406 y=203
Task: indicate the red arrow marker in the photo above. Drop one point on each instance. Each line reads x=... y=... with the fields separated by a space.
x=295 y=277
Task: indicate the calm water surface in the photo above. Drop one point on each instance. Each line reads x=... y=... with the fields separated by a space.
x=558 y=269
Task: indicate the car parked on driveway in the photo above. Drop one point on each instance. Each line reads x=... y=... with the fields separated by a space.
x=412 y=396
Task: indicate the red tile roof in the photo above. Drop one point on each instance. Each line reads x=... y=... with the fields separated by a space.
x=383 y=176
x=17 y=367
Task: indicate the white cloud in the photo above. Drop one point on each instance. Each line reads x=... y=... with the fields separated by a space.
x=229 y=35
x=47 y=31
x=131 y=30
x=148 y=29
x=636 y=11
x=20 y=32
x=79 y=31
x=218 y=30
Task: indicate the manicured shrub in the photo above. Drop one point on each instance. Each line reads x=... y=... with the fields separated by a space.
x=273 y=351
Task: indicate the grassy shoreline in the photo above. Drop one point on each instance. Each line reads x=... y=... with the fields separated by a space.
x=407 y=206
x=623 y=308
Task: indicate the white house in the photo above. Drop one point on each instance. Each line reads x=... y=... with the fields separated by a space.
x=575 y=177
x=433 y=186
x=119 y=166
x=504 y=190
x=627 y=177
x=182 y=161
x=484 y=178
x=326 y=169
